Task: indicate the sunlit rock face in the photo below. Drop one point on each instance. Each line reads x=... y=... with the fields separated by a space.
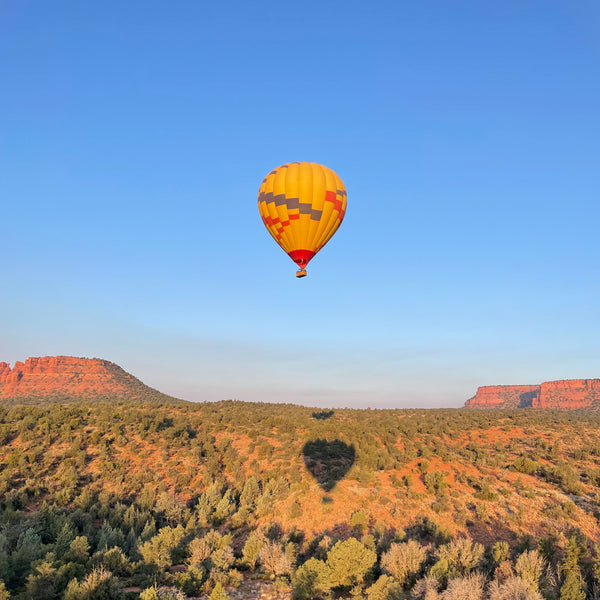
x=64 y=376
x=503 y=396
x=568 y=394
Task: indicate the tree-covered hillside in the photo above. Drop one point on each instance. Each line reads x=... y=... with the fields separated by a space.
x=151 y=500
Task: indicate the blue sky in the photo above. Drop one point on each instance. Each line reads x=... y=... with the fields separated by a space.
x=134 y=137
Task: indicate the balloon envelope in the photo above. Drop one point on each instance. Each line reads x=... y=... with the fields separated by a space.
x=302 y=205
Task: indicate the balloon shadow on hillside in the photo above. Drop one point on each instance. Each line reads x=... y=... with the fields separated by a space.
x=328 y=462
x=322 y=415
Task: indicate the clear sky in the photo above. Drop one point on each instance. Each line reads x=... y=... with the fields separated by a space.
x=134 y=137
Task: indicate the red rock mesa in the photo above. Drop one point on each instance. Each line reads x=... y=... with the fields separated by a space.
x=67 y=376
x=567 y=394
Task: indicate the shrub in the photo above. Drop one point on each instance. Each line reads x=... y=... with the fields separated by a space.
x=504 y=571
x=523 y=464
x=149 y=594
x=500 y=552
x=385 y=588
x=359 y=519
x=79 y=550
x=295 y=510
x=274 y=560
x=222 y=558
x=225 y=507
x=485 y=493
x=171 y=506
x=218 y=593
x=529 y=568
x=469 y=587
x=312 y=580
x=565 y=477
x=190 y=581
x=162 y=593
x=572 y=587
x=547 y=548
x=569 y=508
x=254 y=543
x=426 y=589
x=462 y=555
x=41 y=583
x=435 y=482
x=482 y=511
x=100 y=583
x=349 y=561
x=513 y=588
x=115 y=561
x=404 y=560
x=441 y=505
x=430 y=531
x=200 y=549
x=440 y=570
x=160 y=548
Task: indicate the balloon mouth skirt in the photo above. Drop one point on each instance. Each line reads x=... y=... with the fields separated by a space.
x=301 y=273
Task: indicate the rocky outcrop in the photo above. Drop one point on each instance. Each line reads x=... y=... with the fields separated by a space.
x=503 y=396
x=68 y=377
x=568 y=394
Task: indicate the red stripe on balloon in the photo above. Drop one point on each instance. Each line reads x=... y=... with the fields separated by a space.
x=332 y=197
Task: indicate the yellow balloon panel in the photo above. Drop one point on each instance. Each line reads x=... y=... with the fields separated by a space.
x=302 y=205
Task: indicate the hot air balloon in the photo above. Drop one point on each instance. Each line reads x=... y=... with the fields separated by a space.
x=302 y=204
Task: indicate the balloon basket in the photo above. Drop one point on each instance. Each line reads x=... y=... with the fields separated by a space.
x=301 y=273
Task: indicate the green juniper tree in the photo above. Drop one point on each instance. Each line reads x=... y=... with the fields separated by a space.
x=572 y=587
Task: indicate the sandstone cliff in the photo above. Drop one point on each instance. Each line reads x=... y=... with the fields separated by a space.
x=68 y=377
x=569 y=394
x=503 y=396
